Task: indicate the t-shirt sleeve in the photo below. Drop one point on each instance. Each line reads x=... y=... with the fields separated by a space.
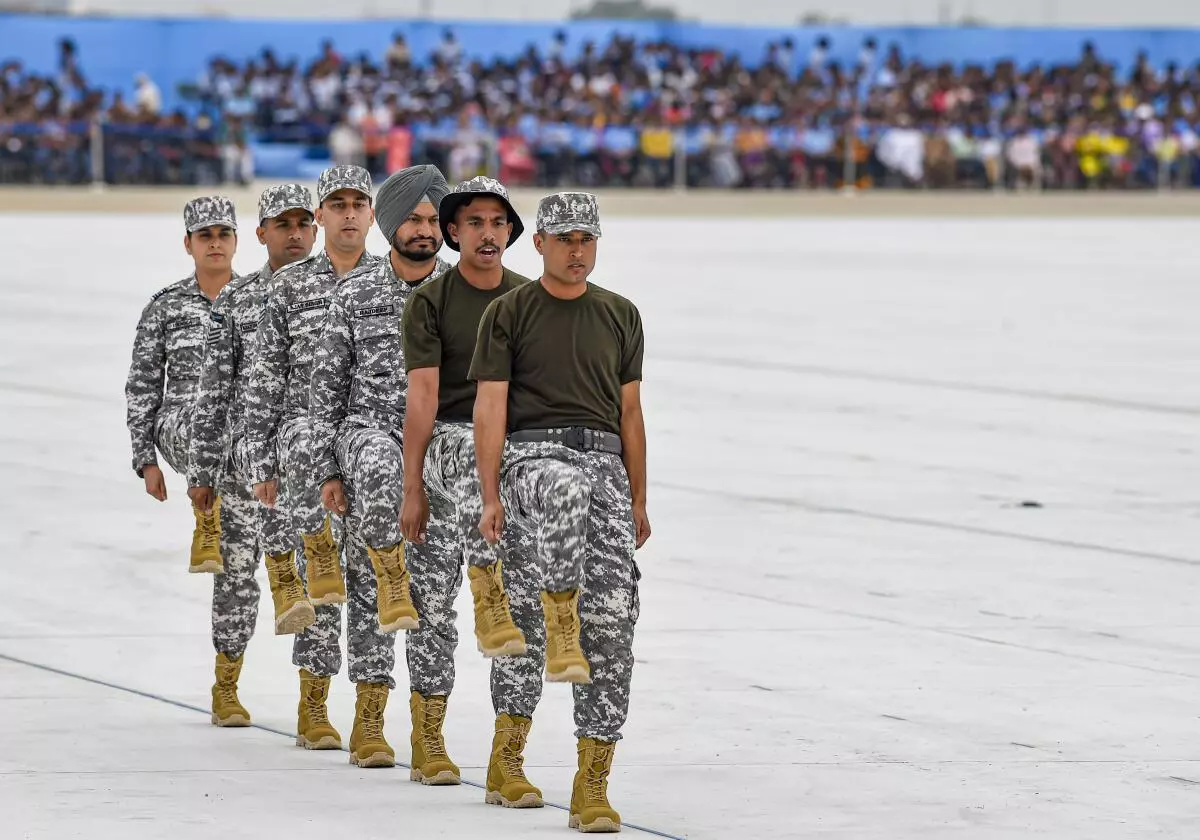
x=635 y=346
x=492 y=361
x=422 y=336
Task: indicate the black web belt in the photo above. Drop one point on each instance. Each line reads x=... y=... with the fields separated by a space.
x=574 y=437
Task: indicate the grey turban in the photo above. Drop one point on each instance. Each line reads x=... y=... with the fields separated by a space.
x=403 y=191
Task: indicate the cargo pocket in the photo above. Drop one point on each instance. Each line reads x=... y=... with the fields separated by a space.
x=635 y=597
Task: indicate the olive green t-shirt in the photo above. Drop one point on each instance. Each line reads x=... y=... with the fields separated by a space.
x=440 y=324
x=565 y=360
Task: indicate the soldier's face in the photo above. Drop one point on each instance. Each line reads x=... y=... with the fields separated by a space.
x=289 y=237
x=212 y=248
x=347 y=217
x=420 y=237
x=567 y=257
x=482 y=229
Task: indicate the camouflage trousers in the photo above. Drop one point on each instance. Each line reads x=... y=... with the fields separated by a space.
x=317 y=648
x=172 y=433
x=235 y=590
x=578 y=506
x=372 y=472
x=452 y=484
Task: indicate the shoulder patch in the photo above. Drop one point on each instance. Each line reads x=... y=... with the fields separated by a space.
x=162 y=292
x=372 y=311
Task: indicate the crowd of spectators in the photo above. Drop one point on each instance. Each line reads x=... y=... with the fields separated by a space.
x=628 y=113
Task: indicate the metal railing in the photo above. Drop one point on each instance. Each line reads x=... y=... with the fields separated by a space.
x=101 y=153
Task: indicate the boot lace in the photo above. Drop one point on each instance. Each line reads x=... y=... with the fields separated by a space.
x=325 y=557
x=397 y=577
x=512 y=761
x=209 y=532
x=568 y=626
x=495 y=599
x=595 y=781
x=431 y=728
x=290 y=585
x=372 y=718
x=315 y=694
x=227 y=685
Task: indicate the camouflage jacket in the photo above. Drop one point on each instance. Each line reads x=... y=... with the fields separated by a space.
x=219 y=414
x=293 y=315
x=359 y=375
x=167 y=351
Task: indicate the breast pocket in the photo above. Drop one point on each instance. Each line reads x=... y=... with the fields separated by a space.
x=377 y=346
x=185 y=345
x=304 y=330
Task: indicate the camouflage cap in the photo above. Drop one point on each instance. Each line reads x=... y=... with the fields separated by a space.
x=569 y=211
x=207 y=211
x=277 y=200
x=343 y=177
x=464 y=193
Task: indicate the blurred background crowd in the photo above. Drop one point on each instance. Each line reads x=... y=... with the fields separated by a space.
x=620 y=113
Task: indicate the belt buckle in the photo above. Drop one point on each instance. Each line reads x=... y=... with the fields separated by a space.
x=573 y=438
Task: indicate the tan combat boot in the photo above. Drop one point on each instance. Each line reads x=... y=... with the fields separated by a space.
x=227 y=710
x=325 y=582
x=430 y=763
x=293 y=612
x=313 y=729
x=506 y=782
x=590 y=811
x=368 y=748
x=393 y=597
x=565 y=661
x=206 y=540
x=495 y=632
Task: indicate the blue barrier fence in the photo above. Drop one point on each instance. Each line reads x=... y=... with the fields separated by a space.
x=174 y=51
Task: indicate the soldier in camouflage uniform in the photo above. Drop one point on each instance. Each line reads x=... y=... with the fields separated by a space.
x=217 y=455
x=356 y=412
x=440 y=325
x=277 y=437
x=559 y=367
x=161 y=389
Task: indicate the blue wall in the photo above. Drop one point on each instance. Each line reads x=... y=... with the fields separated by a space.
x=177 y=50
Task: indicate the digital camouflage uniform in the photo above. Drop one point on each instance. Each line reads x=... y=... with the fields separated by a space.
x=356 y=413
x=218 y=456
x=167 y=351
x=277 y=426
x=576 y=501
x=217 y=434
x=455 y=507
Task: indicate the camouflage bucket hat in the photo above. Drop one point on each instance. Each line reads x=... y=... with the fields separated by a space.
x=207 y=211
x=464 y=193
x=277 y=200
x=569 y=211
x=344 y=177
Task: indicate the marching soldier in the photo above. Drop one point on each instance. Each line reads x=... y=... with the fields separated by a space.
x=356 y=414
x=160 y=395
x=559 y=367
x=277 y=438
x=217 y=456
x=440 y=326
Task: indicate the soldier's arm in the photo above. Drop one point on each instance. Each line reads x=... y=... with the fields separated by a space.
x=210 y=413
x=144 y=385
x=633 y=424
x=491 y=420
x=267 y=384
x=422 y=357
x=491 y=369
x=329 y=389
